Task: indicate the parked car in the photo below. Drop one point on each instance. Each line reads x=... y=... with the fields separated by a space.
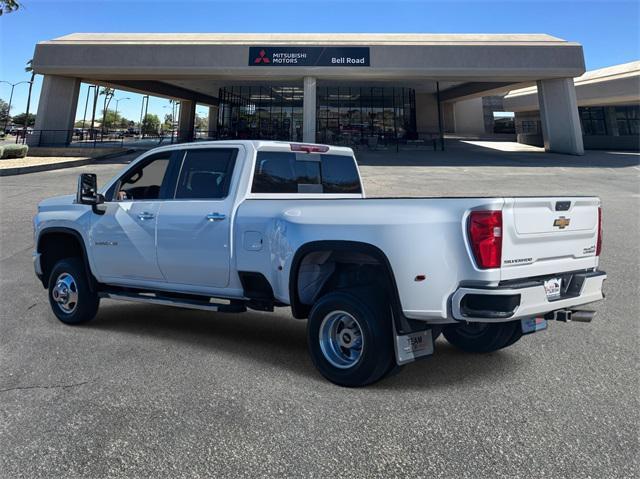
x=231 y=225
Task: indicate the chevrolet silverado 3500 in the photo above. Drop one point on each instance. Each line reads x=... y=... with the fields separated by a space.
x=231 y=225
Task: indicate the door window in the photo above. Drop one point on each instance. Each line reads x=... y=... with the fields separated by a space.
x=144 y=181
x=206 y=173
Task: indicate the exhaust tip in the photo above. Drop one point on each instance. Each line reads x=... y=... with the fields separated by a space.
x=582 y=316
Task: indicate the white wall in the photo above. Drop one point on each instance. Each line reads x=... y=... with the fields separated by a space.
x=468 y=116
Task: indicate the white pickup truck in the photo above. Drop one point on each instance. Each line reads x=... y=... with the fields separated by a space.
x=230 y=225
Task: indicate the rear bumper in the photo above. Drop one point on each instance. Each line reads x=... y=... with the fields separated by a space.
x=506 y=303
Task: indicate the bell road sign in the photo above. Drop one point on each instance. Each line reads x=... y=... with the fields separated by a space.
x=309 y=56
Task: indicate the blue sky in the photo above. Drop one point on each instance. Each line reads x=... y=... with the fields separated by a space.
x=608 y=30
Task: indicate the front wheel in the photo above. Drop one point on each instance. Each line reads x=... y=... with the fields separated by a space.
x=350 y=338
x=70 y=296
x=483 y=337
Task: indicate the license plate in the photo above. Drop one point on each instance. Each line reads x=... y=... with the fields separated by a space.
x=410 y=347
x=553 y=288
x=531 y=325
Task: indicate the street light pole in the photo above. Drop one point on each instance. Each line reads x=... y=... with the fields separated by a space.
x=86 y=104
x=93 y=112
x=26 y=121
x=142 y=113
x=13 y=85
x=118 y=100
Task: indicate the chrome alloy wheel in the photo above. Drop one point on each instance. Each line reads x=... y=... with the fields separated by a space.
x=341 y=339
x=65 y=293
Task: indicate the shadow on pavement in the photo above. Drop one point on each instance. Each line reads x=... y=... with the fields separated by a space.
x=280 y=342
x=458 y=153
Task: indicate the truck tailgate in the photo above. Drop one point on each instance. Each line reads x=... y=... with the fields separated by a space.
x=548 y=235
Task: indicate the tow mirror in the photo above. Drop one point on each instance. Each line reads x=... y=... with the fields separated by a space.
x=87 y=193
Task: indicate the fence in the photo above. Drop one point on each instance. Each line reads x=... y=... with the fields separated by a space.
x=122 y=139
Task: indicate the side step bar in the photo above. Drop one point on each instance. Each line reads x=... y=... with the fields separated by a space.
x=232 y=307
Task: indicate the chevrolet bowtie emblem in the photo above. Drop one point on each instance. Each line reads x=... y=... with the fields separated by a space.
x=561 y=222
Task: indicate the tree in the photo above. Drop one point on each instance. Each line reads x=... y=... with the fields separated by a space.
x=168 y=122
x=111 y=119
x=150 y=124
x=201 y=123
x=108 y=95
x=4 y=111
x=8 y=6
x=20 y=119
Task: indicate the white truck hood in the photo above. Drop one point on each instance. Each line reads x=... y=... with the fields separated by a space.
x=56 y=201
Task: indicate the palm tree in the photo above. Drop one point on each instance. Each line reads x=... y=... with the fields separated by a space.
x=108 y=95
x=8 y=6
x=29 y=69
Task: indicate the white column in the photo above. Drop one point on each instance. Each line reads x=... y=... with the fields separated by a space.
x=56 y=111
x=186 y=120
x=559 y=116
x=309 y=110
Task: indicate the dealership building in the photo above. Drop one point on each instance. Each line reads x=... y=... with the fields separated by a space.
x=608 y=106
x=332 y=88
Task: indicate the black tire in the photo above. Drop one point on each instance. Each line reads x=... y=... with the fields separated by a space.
x=376 y=357
x=483 y=337
x=82 y=304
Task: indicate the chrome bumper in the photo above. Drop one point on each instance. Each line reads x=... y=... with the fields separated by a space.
x=531 y=300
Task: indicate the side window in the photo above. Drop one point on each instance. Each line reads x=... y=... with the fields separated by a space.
x=206 y=173
x=144 y=182
x=283 y=172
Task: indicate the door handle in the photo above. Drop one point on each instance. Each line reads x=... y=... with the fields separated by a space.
x=145 y=215
x=215 y=217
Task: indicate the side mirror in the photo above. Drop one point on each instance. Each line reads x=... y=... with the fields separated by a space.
x=87 y=193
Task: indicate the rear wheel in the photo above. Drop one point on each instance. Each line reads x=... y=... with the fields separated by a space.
x=483 y=337
x=70 y=297
x=349 y=338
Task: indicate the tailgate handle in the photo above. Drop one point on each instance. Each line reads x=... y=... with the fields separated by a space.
x=563 y=205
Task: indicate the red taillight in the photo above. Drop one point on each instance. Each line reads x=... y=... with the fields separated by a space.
x=485 y=235
x=309 y=148
x=599 y=240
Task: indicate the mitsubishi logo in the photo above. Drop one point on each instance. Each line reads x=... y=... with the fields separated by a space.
x=262 y=58
x=561 y=222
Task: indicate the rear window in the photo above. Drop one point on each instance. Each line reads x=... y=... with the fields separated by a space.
x=284 y=172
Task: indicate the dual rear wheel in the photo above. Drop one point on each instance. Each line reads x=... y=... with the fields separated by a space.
x=350 y=337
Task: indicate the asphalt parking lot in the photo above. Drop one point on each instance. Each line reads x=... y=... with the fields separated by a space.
x=147 y=391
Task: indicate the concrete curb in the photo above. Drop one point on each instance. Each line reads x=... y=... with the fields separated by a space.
x=21 y=170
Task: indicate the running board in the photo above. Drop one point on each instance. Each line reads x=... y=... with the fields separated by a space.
x=233 y=307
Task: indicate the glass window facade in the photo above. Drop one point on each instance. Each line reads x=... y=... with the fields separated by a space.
x=628 y=120
x=593 y=121
x=344 y=115
x=351 y=115
x=257 y=112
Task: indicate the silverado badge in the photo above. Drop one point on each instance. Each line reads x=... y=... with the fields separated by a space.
x=561 y=222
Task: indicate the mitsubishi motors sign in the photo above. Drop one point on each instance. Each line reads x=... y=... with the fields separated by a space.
x=309 y=56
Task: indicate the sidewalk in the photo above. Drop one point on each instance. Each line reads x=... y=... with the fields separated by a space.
x=32 y=164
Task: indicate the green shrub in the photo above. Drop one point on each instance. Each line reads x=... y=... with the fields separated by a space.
x=14 y=151
x=1 y=151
